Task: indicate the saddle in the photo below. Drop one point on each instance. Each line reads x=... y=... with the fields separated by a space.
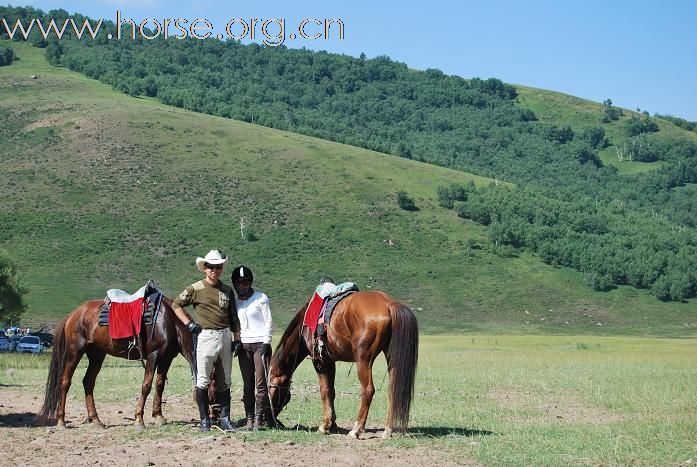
x=319 y=312
x=125 y=313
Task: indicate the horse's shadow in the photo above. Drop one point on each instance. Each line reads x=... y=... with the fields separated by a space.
x=443 y=431
x=18 y=420
x=315 y=429
x=129 y=422
x=425 y=431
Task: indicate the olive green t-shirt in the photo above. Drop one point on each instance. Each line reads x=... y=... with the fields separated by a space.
x=214 y=305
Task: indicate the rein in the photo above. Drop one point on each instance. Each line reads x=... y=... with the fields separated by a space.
x=268 y=389
x=270 y=385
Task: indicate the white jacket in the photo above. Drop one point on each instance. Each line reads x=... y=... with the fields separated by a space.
x=255 y=318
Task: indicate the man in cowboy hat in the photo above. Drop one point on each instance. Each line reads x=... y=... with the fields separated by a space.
x=217 y=320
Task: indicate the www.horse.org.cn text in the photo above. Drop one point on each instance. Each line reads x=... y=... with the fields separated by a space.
x=271 y=31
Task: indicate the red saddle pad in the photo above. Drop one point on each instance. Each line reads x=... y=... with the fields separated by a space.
x=125 y=319
x=313 y=312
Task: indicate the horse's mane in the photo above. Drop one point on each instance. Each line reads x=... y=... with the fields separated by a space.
x=293 y=325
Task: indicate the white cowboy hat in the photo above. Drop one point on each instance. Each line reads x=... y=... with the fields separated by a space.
x=213 y=257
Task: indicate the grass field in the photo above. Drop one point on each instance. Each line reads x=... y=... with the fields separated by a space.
x=496 y=400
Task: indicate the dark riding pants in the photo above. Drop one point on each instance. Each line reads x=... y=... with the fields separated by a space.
x=253 y=374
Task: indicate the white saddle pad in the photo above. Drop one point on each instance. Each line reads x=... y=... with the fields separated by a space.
x=119 y=296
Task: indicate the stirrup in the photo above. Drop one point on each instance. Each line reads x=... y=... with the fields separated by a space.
x=320 y=347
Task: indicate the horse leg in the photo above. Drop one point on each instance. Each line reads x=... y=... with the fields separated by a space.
x=162 y=369
x=387 y=434
x=71 y=363
x=364 y=368
x=96 y=358
x=145 y=390
x=326 y=372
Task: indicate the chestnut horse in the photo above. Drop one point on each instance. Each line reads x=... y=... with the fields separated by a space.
x=79 y=334
x=362 y=325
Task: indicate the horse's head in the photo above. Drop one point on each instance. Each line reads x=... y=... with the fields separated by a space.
x=289 y=353
x=279 y=386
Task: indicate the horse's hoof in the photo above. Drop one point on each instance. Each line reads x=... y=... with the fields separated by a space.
x=61 y=426
x=98 y=426
x=160 y=420
x=387 y=434
x=323 y=430
x=93 y=423
x=139 y=427
x=353 y=434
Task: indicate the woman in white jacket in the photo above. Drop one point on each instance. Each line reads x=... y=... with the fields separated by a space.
x=256 y=326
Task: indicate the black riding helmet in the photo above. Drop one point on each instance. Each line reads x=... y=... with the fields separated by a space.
x=241 y=272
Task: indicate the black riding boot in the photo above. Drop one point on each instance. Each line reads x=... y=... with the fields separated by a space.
x=249 y=412
x=202 y=401
x=263 y=417
x=225 y=422
x=259 y=419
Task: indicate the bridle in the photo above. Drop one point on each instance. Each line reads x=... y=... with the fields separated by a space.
x=283 y=401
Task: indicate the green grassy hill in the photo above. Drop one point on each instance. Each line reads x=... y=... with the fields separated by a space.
x=579 y=114
x=102 y=190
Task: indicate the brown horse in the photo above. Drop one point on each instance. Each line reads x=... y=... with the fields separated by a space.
x=362 y=325
x=79 y=334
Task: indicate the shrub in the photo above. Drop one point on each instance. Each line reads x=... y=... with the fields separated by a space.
x=7 y=55
x=405 y=202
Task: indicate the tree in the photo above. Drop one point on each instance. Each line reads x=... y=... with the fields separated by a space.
x=585 y=154
x=661 y=289
x=11 y=291
x=610 y=113
x=600 y=282
x=445 y=198
x=637 y=126
x=405 y=202
x=7 y=56
x=595 y=137
x=447 y=195
x=560 y=134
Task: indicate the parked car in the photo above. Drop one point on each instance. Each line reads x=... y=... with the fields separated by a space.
x=14 y=340
x=45 y=337
x=29 y=344
x=5 y=344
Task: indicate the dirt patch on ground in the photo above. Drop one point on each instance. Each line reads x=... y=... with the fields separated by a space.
x=549 y=406
x=44 y=123
x=179 y=442
x=59 y=116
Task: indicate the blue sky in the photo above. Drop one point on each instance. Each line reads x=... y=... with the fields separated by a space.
x=641 y=54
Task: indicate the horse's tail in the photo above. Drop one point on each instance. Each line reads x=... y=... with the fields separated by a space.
x=55 y=375
x=402 y=358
